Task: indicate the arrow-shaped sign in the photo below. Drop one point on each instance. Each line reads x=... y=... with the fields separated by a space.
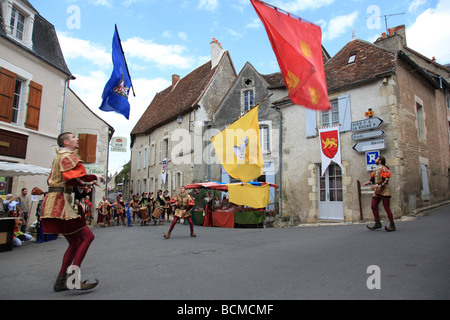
x=367 y=135
x=366 y=124
x=379 y=144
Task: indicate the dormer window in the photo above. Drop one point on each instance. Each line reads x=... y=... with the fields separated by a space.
x=18 y=20
x=351 y=59
x=17 y=24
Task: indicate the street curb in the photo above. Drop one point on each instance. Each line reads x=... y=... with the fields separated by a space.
x=424 y=210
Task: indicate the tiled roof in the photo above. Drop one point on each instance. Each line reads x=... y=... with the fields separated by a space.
x=169 y=104
x=370 y=61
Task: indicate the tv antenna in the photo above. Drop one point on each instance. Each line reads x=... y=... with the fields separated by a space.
x=387 y=16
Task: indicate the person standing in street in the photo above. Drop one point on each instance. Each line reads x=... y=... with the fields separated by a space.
x=57 y=214
x=24 y=207
x=379 y=180
x=183 y=205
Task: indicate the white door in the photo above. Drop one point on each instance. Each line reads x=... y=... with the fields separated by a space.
x=331 y=206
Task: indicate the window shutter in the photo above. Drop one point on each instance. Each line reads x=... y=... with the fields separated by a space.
x=91 y=148
x=311 y=123
x=7 y=85
x=87 y=147
x=34 y=106
x=345 y=113
x=82 y=146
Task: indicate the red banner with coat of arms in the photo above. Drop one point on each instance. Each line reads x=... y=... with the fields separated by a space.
x=330 y=146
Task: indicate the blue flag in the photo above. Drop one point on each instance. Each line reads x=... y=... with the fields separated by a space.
x=115 y=94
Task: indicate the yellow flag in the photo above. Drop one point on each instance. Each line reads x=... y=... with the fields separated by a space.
x=238 y=148
x=249 y=195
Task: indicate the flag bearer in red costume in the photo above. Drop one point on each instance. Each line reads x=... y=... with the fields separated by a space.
x=57 y=214
x=183 y=204
x=379 y=180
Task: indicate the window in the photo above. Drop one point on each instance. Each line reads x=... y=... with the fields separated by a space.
x=164 y=149
x=11 y=95
x=152 y=154
x=351 y=59
x=139 y=160
x=330 y=117
x=16 y=102
x=264 y=136
x=420 y=121
x=145 y=158
x=249 y=101
x=17 y=24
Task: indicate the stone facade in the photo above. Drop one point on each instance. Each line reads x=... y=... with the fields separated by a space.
x=412 y=103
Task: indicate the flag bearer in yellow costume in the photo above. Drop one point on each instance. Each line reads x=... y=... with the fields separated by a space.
x=57 y=214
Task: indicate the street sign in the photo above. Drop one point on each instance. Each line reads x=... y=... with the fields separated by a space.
x=371 y=156
x=378 y=144
x=367 y=135
x=119 y=144
x=366 y=124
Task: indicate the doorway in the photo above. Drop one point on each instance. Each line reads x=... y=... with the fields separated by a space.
x=331 y=205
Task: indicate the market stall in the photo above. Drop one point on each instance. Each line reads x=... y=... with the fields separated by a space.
x=234 y=215
x=8 y=169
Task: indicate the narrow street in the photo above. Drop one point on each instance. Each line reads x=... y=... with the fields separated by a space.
x=314 y=262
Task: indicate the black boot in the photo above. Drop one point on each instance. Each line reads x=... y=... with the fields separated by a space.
x=88 y=286
x=390 y=228
x=377 y=225
x=61 y=283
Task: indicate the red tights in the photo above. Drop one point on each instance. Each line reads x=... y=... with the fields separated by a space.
x=386 y=205
x=175 y=220
x=79 y=243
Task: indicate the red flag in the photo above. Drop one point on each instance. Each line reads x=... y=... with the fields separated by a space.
x=298 y=47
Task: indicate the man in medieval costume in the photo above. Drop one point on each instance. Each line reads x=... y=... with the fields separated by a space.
x=57 y=214
x=104 y=215
x=379 y=180
x=183 y=204
x=119 y=208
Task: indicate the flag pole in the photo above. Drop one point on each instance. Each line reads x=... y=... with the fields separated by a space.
x=123 y=54
x=286 y=12
x=263 y=100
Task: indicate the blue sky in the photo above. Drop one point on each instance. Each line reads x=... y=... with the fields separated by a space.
x=166 y=37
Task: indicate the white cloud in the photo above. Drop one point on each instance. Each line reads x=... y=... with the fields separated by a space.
x=415 y=4
x=254 y=24
x=210 y=5
x=429 y=34
x=74 y=48
x=106 y=3
x=183 y=36
x=163 y=55
x=339 y=25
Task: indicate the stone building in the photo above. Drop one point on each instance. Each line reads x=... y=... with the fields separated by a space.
x=33 y=84
x=175 y=127
x=409 y=93
x=36 y=103
x=249 y=89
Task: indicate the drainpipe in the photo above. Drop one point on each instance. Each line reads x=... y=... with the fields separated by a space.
x=280 y=166
x=66 y=86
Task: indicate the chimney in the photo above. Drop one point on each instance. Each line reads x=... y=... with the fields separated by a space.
x=216 y=53
x=394 y=40
x=175 y=79
x=399 y=30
